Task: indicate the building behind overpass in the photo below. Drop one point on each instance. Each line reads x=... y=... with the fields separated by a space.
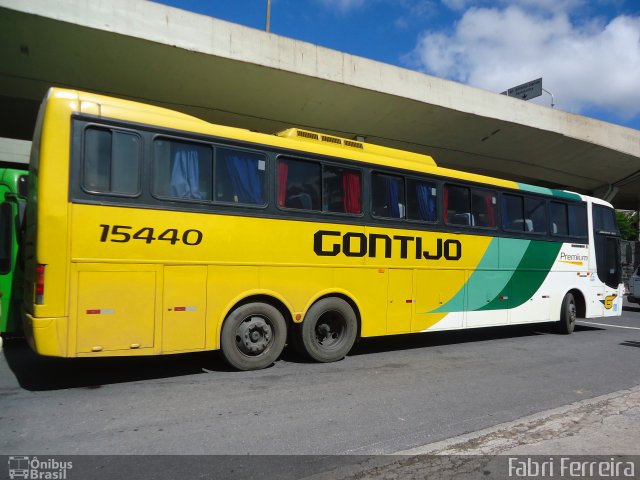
x=234 y=75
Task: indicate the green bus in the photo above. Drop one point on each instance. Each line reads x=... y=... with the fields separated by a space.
x=13 y=194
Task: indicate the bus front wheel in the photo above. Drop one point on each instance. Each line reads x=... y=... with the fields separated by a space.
x=568 y=314
x=253 y=336
x=329 y=330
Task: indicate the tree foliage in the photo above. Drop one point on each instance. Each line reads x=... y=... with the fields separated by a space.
x=628 y=224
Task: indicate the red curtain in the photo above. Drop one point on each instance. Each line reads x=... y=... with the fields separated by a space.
x=283 y=173
x=351 y=184
x=491 y=210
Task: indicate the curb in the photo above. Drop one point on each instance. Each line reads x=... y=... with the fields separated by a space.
x=466 y=453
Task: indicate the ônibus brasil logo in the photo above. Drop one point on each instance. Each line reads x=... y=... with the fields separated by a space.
x=38 y=469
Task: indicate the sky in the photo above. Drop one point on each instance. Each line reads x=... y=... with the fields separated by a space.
x=586 y=51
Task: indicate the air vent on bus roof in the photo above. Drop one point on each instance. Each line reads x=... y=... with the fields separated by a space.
x=306 y=135
x=311 y=135
x=351 y=143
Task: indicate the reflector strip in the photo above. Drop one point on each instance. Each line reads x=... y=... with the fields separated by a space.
x=101 y=311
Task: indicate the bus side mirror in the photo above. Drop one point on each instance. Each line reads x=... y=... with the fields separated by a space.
x=628 y=254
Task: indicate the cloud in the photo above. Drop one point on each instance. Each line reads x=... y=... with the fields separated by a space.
x=342 y=6
x=591 y=65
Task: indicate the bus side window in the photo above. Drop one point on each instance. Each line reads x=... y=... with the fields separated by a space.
x=456 y=205
x=111 y=162
x=341 y=190
x=240 y=176
x=182 y=170
x=422 y=201
x=483 y=208
x=299 y=184
x=578 y=221
x=388 y=196
x=535 y=215
x=559 y=219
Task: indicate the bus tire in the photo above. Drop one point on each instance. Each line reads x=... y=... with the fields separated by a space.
x=329 y=330
x=253 y=336
x=568 y=314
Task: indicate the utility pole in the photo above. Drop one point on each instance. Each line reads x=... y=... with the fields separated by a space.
x=268 y=27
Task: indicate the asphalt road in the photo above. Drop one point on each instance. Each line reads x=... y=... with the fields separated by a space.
x=388 y=395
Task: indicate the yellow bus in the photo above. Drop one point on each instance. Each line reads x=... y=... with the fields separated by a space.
x=153 y=232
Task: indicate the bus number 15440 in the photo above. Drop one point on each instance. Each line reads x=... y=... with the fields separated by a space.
x=126 y=233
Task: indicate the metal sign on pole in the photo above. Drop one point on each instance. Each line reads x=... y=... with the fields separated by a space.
x=526 y=91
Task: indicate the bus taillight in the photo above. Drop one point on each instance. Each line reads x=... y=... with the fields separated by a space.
x=39 y=284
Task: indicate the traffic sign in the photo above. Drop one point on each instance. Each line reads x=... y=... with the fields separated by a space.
x=526 y=91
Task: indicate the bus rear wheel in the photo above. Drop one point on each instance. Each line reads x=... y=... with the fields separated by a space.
x=253 y=336
x=568 y=314
x=329 y=330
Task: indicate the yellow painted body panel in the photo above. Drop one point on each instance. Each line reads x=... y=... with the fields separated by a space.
x=184 y=308
x=399 y=301
x=115 y=310
x=47 y=336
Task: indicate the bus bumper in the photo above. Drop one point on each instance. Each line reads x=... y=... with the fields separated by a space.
x=46 y=336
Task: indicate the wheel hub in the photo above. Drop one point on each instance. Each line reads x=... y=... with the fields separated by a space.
x=253 y=335
x=328 y=332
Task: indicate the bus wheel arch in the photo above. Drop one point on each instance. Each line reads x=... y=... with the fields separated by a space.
x=573 y=306
x=254 y=333
x=329 y=329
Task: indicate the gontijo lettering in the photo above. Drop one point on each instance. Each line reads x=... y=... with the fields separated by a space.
x=330 y=243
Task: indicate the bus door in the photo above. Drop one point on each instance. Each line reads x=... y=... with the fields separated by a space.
x=608 y=261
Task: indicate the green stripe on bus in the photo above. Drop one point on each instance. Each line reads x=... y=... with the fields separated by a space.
x=549 y=191
x=528 y=277
x=491 y=276
x=510 y=269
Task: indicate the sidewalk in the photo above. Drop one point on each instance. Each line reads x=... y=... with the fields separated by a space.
x=608 y=425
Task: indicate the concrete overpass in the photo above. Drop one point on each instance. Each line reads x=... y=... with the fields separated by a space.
x=229 y=74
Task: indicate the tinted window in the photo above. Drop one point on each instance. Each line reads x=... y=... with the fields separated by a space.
x=464 y=206
x=111 y=162
x=422 y=201
x=240 y=177
x=523 y=214
x=577 y=221
x=513 y=213
x=457 y=205
x=535 y=216
x=483 y=208
x=604 y=219
x=341 y=190
x=299 y=184
x=559 y=219
x=388 y=196
x=182 y=170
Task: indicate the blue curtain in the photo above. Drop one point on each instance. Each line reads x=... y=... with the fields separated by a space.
x=245 y=178
x=392 y=198
x=185 y=176
x=426 y=202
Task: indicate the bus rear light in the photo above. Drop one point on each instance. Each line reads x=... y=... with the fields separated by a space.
x=39 y=284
